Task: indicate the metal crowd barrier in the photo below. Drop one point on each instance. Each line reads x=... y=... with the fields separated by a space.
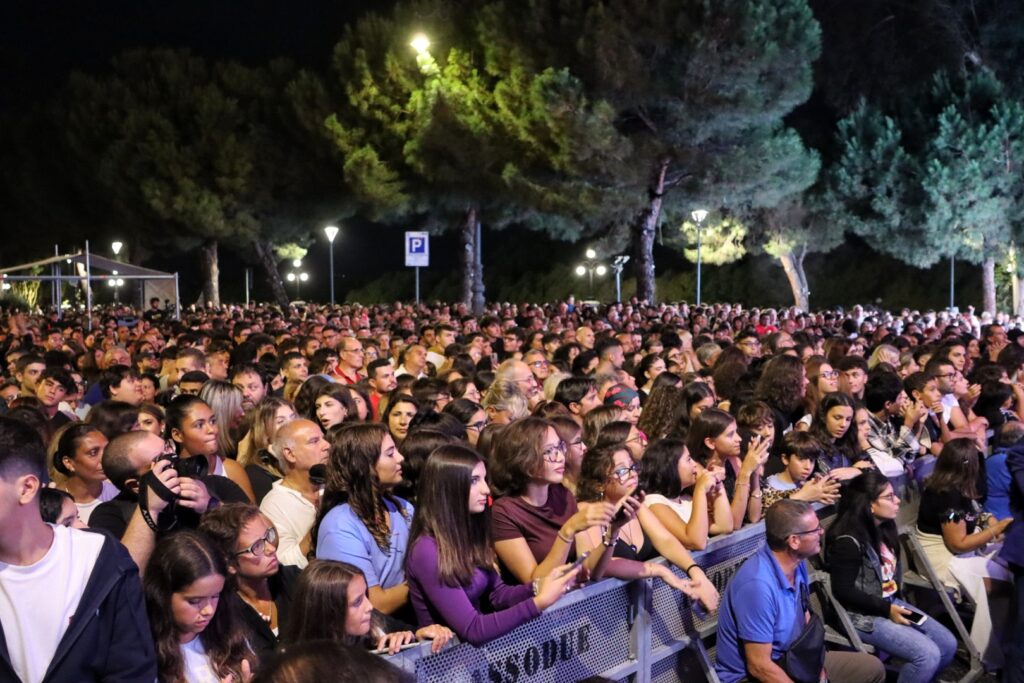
x=615 y=629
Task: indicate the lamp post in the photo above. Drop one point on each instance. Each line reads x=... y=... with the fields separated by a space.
x=298 y=277
x=116 y=247
x=618 y=263
x=699 y=215
x=331 y=231
x=116 y=283
x=590 y=266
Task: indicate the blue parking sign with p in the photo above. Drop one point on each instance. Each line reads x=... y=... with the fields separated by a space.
x=417 y=249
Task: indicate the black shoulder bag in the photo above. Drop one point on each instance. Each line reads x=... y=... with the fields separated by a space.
x=805 y=657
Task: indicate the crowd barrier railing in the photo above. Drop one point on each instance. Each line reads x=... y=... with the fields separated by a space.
x=634 y=630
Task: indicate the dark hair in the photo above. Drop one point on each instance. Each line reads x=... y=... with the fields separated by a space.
x=709 y=425
x=117 y=462
x=442 y=512
x=352 y=478
x=114 y=375
x=782 y=383
x=177 y=412
x=416 y=449
x=854 y=516
x=323 y=660
x=517 y=455
x=660 y=473
x=597 y=465
x=67 y=444
x=343 y=395
x=662 y=412
x=956 y=469
x=614 y=433
x=847 y=443
x=113 y=417
x=51 y=503
x=393 y=401
x=573 y=389
x=801 y=445
x=915 y=381
x=223 y=525
x=177 y=562
x=881 y=388
x=305 y=398
x=319 y=606
x=693 y=393
x=462 y=409
x=781 y=521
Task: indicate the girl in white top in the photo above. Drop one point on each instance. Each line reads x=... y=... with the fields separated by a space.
x=687 y=499
x=197 y=639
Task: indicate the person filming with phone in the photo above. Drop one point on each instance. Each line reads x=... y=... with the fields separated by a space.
x=863 y=560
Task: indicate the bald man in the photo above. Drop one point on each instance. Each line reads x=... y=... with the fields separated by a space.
x=293 y=501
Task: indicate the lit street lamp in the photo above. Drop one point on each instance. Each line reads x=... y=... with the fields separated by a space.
x=298 y=278
x=590 y=266
x=420 y=43
x=331 y=231
x=115 y=281
x=116 y=247
x=699 y=215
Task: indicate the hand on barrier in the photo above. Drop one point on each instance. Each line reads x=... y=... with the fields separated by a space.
x=437 y=633
x=703 y=590
x=391 y=643
x=552 y=587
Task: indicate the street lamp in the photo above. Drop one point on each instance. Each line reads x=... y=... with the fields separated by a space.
x=116 y=247
x=699 y=215
x=331 y=231
x=297 y=278
x=618 y=263
x=590 y=266
x=420 y=43
x=115 y=281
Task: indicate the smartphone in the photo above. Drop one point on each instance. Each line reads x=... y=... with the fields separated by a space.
x=916 y=618
x=580 y=560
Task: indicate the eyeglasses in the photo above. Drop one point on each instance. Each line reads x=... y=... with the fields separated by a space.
x=830 y=374
x=554 y=453
x=946 y=375
x=477 y=426
x=816 y=530
x=640 y=438
x=622 y=473
x=891 y=497
x=352 y=350
x=259 y=546
x=539 y=364
x=578 y=442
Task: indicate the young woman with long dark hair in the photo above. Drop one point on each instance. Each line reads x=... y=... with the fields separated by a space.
x=330 y=603
x=194 y=428
x=361 y=521
x=196 y=630
x=864 y=561
x=834 y=430
x=452 y=580
x=78 y=459
x=714 y=441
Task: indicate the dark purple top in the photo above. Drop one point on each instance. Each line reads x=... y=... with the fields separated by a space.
x=462 y=608
x=512 y=517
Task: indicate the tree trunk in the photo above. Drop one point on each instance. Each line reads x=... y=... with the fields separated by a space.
x=645 y=229
x=988 y=285
x=468 y=257
x=211 y=273
x=793 y=264
x=265 y=253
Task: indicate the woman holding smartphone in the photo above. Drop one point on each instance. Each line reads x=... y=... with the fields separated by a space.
x=863 y=559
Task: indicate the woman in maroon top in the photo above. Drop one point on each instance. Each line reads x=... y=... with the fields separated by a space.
x=535 y=521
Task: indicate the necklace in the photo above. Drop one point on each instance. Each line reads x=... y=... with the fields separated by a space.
x=268 y=616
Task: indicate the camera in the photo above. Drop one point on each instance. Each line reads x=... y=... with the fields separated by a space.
x=192 y=468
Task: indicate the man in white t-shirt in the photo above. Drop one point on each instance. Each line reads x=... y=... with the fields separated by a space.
x=71 y=606
x=292 y=501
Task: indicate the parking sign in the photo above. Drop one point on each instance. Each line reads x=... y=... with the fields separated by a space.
x=417 y=249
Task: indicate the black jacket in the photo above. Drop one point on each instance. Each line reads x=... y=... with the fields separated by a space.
x=109 y=639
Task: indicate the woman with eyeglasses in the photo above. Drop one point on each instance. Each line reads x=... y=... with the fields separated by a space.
x=610 y=474
x=535 y=522
x=962 y=542
x=469 y=413
x=822 y=379
x=864 y=563
x=571 y=434
x=249 y=542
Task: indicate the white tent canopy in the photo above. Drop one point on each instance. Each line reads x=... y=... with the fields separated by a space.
x=88 y=268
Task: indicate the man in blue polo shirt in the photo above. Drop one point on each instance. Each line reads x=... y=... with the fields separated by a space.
x=762 y=612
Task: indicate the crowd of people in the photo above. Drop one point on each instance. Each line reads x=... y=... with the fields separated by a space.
x=284 y=492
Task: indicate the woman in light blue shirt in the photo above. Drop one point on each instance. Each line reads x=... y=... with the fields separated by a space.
x=361 y=521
